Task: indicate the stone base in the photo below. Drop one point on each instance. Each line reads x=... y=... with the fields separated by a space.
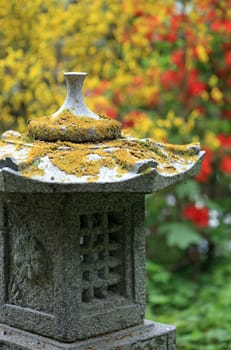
x=150 y=336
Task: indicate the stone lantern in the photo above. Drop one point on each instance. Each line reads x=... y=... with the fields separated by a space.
x=72 y=230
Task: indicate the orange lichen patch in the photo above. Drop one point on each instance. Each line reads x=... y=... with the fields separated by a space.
x=93 y=179
x=189 y=149
x=2 y=143
x=18 y=142
x=32 y=170
x=124 y=158
x=76 y=162
x=68 y=127
x=39 y=149
x=123 y=155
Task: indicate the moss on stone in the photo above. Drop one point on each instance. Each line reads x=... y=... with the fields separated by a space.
x=68 y=127
x=87 y=159
x=32 y=170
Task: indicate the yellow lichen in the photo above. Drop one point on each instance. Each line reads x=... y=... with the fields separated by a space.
x=75 y=162
x=32 y=171
x=124 y=158
x=68 y=127
x=87 y=159
x=2 y=143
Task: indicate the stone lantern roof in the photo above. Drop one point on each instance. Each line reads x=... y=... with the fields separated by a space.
x=77 y=150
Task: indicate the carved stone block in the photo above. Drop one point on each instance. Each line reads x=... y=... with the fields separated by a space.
x=68 y=261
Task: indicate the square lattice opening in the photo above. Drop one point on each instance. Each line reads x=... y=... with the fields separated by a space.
x=101 y=252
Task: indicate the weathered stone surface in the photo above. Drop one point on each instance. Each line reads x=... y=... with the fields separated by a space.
x=12 y=181
x=150 y=336
x=68 y=261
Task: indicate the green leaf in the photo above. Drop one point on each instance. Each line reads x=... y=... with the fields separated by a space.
x=180 y=235
x=189 y=189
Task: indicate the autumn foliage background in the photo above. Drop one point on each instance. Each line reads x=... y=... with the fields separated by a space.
x=163 y=68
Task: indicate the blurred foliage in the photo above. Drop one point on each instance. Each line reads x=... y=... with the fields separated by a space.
x=163 y=68
x=196 y=303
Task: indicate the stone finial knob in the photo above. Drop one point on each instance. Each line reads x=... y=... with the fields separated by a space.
x=74 y=121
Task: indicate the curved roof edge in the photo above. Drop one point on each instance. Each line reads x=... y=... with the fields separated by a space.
x=13 y=181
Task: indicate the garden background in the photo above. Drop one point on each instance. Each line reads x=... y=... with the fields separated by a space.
x=163 y=68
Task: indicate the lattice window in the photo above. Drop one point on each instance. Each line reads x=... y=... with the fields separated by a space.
x=101 y=253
